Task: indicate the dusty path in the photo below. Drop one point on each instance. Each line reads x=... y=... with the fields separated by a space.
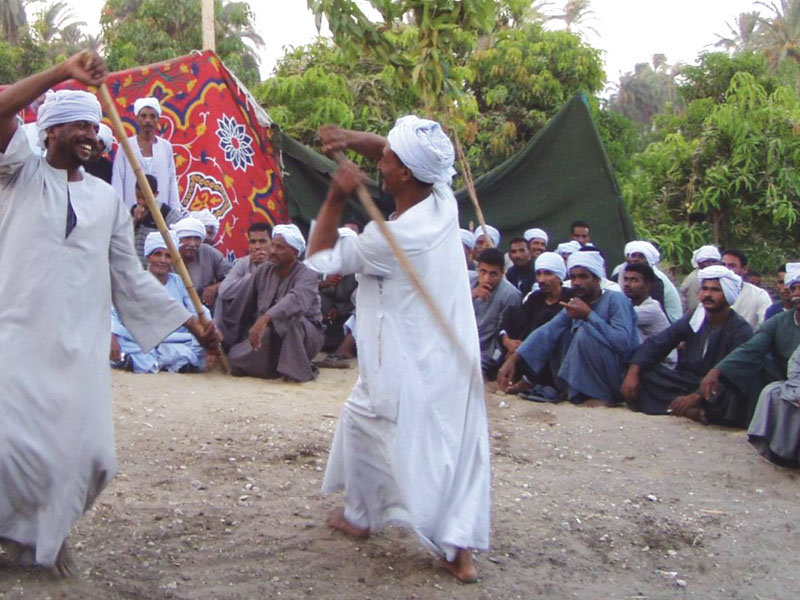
x=218 y=498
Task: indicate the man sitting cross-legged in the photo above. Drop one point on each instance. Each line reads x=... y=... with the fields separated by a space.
x=281 y=327
x=492 y=297
x=230 y=299
x=593 y=337
x=707 y=336
x=180 y=350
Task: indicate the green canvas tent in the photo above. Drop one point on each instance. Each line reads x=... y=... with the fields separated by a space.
x=560 y=175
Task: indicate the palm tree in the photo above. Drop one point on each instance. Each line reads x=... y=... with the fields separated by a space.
x=56 y=21
x=576 y=13
x=744 y=35
x=12 y=19
x=781 y=33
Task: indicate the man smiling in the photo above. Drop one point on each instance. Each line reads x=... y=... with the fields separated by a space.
x=206 y=265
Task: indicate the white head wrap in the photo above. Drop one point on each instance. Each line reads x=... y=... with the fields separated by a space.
x=423 y=147
x=553 y=262
x=104 y=135
x=649 y=250
x=66 y=106
x=207 y=218
x=568 y=247
x=346 y=232
x=731 y=283
x=149 y=102
x=189 y=227
x=704 y=253
x=590 y=260
x=155 y=241
x=792 y=274
x=494 y=235
x=467 y=239
x=291 y=235
x=535 y=233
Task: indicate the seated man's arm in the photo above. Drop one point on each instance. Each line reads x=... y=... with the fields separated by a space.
x=656 y=348
x=619 y=332
x=536 y=349
x=298 y=300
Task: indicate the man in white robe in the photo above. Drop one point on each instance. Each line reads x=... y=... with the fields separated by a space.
x=753 y=302
x=154 y=153
x=56 y=431
x=411 y=444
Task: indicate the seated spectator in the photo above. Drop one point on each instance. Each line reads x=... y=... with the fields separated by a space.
x=637 y=280
x=663 y=291
x=211 y=223
x=143 y=223
x=708 y=335
x=99 y=164
x=179 y=351
x=753 y=302
x=775 y=428
x=579 y=232
x=480 y=243
x=206 y=265
x=492 y=296
x=229 y=304
x=704 y=256
x=784 y=302
x=536 y=310
x=564 y=250
x=281 y=328
x=754 y=278
x=605 y=282
x=336 y=293
x=468 y=243
x=591 y=339
x=521 y=275
x=763 y=358
x=537 y=241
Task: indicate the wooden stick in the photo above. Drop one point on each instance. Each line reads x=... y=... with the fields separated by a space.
x=152 y=205
x=374 y=212
x=471 y=187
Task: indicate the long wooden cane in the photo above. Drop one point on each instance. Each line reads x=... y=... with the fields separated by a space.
x=374 y=212
x=473 y=196
x=152 y=205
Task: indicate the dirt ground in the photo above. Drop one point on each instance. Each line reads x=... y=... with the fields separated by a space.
x=218 y=498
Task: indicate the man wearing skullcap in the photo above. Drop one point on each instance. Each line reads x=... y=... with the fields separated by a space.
x=468 y=242
x=707 y=336
x=206 y=265
x=281 y=327
x=207 y=218
x=100 y=165
x=704 y=256
x=480 y=241
x=590 y=340
x=566 y=248
x=521 y=274
x=177 y=352
x=56 y=430
x=411 y=444
x=753 y=302
x=764 y=357
x=143 y=222
x=154 y=153
x=538 y=308
x=537 y=241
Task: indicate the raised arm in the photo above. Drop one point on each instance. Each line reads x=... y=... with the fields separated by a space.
x=88 y=68
x=343 y=186
x=335 y=139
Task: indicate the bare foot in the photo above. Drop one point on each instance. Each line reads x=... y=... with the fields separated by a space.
x=594 y=402
x=462 y=567
x=18 y=554
x=520 y=386
x=336 y=520
x=65 y=565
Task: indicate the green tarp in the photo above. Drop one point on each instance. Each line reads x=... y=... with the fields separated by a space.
x=561 y=175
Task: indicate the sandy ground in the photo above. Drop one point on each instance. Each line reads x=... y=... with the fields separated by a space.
x=218 y=498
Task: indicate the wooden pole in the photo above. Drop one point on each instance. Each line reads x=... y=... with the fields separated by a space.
x=473 y=196
x=209 y=36
x=152 y=206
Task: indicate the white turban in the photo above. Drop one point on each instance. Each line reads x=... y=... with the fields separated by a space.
x=104 y=135
x=207 y=218
x=792 y=274
x=550 y=261
x=291 y=235
x=731 y=283
x=155 y=241
x=467 y=239
x=423 y=147
x=66 y=106
x=494 y=235
x=568 y=247
x=346 y=232
x=149 y=102
x=536 y=233
x=704 y=253
x=649 y=250
x=189 y=227
x=590 y=260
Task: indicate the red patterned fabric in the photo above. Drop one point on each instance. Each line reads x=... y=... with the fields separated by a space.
x=225 y=158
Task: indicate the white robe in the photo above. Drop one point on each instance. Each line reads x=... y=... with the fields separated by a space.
x=161 y=166
x=412 y=442
x=56 y=432
x=751 y=304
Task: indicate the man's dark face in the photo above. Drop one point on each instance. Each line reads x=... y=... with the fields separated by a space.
x=536 y=247
x=258 y=246
x=637 y=257
x=480 y=245
x=519 y=254
x=635 y=287
x=281 y=254
x=734 y=264
x=547 y=280
x=159 y=262
x=190 y=246
x=783 y=292
x=72 y=143
x=148 y=120
x=585 y=285
x=489 y=275
x=394 y=174
x=711 y=296
x=580 y=235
